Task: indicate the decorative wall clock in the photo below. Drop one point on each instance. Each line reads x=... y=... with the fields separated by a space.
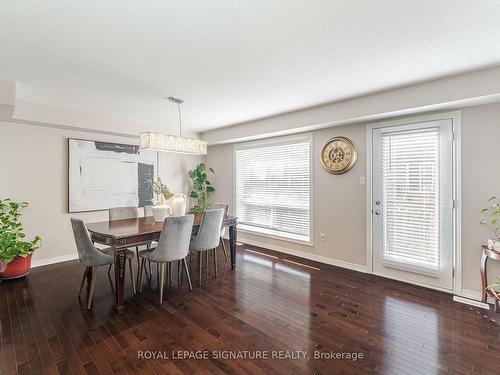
x=338 y=155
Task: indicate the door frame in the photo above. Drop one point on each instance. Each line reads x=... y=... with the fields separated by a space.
x=455 y=117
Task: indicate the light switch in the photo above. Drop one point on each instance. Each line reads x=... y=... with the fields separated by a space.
x=322 y=236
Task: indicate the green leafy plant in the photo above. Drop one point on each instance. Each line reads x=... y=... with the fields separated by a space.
x=161 y=190
x=491 y=216
x=12 y=237
x=202 y=187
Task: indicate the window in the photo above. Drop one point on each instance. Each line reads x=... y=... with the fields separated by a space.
x=273 y=187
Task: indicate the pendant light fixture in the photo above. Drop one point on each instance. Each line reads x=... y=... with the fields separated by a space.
x=171 y=143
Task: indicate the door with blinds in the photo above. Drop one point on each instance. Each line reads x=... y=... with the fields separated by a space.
x=412 y=203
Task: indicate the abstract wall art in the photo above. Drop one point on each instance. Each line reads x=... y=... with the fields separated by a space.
x=104 y=175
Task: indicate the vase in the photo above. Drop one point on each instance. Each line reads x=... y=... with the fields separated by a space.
x=16 y=268
x=494 y=245
x=161 y=212
x=179 y=205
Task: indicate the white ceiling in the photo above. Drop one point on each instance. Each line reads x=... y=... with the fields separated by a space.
x=233 y=60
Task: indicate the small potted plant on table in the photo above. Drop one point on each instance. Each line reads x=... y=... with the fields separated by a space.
x=202 y=188
x=491 y=218
x=161 y=210
x=15 y=251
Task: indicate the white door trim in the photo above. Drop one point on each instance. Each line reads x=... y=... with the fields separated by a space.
x=457 y=181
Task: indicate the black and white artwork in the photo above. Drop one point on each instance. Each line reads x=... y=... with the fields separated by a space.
x=103 y=175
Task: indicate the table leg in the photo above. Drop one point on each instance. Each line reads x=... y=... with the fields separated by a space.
x=233 y=233
x=484 y=280
x=120 y=266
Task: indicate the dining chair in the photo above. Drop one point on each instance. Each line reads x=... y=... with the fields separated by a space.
x=173 y=245
x=91 y=257
x=208 y=236
x=122 y=213
x=148 y=210
x=225 y=206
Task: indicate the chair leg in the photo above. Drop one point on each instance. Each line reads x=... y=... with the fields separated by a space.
x=206 y=263
x=179 y=275
x=169 y=274
x=141 y=271
x=137 y=254
x=150 y=272
x=215 y=261
x=132 y=278
x=224 y=248
x=157 y=274
x=200 y=261
x=92 y=287
x=109 y=269
x=83 y=282
x=162 y=280
x=187 y=273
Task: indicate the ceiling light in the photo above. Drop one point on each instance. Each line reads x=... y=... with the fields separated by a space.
x=172 y=143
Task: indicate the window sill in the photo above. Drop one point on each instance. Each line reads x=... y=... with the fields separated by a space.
x=269 y=233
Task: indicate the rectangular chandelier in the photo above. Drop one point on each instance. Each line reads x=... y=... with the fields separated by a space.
x=172 y=143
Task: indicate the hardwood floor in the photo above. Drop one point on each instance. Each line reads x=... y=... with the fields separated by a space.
x=271 y=303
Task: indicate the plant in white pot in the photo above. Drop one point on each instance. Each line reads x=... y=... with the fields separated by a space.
x=160 y=209
x=491 y=219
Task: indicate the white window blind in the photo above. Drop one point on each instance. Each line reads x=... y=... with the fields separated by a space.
x=411 y=195
x=273 y=186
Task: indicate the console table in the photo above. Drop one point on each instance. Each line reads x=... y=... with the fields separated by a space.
x=488 y=253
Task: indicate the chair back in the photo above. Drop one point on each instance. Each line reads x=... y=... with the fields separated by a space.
x=208 y=235
x=148 y=210
x=174 y=239
x=121 y=213
x=225 y=206
x=88 y=254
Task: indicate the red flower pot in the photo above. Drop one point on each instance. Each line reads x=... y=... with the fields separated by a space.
x=16 y=268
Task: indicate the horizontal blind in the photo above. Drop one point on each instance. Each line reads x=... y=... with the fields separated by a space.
x=410 y=188
x=273 y=187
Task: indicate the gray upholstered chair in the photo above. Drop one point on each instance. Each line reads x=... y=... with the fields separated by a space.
x=173 y=245
x=148 y=210
x=223 y=230
x=92 y=257
x=122 y=213
x=208 y=236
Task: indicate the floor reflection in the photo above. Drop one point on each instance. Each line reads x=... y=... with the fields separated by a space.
x=413 y=333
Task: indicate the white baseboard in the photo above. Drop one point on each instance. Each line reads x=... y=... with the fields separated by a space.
x=303 y=254
x=45 y=262
x=471 y=294
x=474 y=295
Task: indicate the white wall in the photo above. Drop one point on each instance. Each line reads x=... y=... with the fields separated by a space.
x=339 y=201
x=34 y=168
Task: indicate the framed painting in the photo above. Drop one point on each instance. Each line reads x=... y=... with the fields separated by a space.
x=103 y=175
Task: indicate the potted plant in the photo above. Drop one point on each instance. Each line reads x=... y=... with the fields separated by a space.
x=491 y=218
x=15 y=251
x=160 y=209
x=202 y=188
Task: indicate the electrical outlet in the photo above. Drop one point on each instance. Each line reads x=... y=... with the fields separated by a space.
x=322 y=236
x=362 y=181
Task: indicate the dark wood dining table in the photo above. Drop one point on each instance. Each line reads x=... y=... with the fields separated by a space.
x=122 y=234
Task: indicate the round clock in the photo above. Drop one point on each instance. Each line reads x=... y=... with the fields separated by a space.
x=338 y=155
